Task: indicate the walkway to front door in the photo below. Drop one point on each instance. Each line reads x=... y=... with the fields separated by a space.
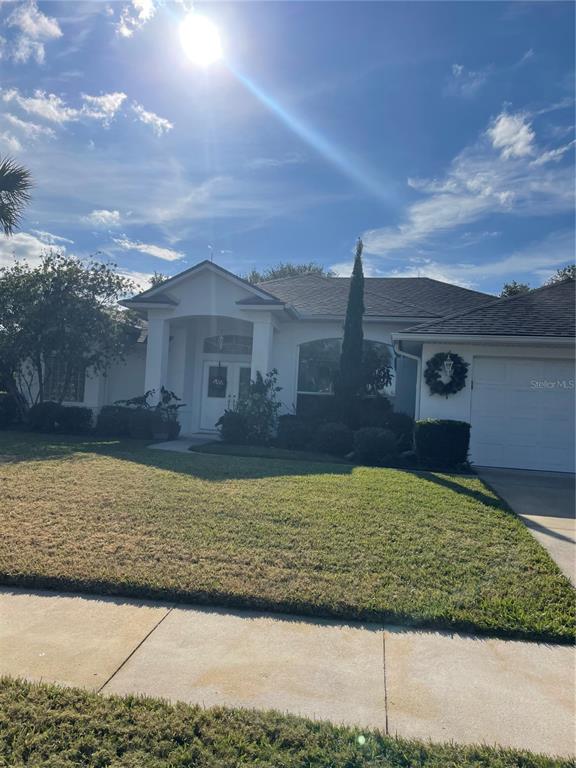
x=223 y=382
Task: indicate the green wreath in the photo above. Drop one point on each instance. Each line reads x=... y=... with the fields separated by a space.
x=436 y=374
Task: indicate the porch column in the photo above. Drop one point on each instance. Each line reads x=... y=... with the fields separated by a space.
x=157 y=355
x=262 y=337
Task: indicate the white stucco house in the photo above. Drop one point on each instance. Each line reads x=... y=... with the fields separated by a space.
x=209 y=332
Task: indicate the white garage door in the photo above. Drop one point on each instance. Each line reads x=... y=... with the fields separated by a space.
x=523 y=413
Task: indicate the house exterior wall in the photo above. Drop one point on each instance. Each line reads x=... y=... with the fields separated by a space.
x=458 y=406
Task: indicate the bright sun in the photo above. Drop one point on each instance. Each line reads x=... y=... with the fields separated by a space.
x=200 y=39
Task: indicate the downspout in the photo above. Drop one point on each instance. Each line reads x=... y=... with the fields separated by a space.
x=401 y=352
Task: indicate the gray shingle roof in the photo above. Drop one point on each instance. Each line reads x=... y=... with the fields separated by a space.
x=408 y=297
x=547 y=311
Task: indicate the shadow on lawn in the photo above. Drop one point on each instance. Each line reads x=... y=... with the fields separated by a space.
x=29 y=447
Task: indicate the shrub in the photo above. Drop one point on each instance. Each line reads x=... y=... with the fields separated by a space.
x=403 y=427
x=232 y=427
x=334 y=438
x=293 y=433
x=442 y=442
x=366 y=412
x=9 y=412
x=259 y=409
x=43 y=417
x=356 y=412
x=114 y=421
x=375 y=446
x=74 y=419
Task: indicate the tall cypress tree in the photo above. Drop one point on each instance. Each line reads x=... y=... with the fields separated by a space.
x=349 y=379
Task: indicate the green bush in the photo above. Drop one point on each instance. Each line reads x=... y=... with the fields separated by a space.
x=334 y=438
x=375 y=446
x=293 y=433
x=74 y=419
x=114 y=421
x=258 y=409
x=356 y=412
x=9 y=412
x=43 y=417
x=442 y=442
x=403 y=427
x=233 y=427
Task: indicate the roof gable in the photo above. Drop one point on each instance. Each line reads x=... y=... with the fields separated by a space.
x=160 y=294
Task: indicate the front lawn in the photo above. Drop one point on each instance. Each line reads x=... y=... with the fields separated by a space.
x=43 y=725
x=324 y=539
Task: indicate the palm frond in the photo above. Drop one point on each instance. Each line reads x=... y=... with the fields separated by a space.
x=15 y=186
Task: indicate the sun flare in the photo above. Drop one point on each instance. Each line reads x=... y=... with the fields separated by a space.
x=200 y=40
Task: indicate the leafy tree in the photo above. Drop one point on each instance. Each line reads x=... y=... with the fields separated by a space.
x=514 y=289
x=564 y=273
x=15 y=185
x=157 y=279
x=285 y=269
x=61 y=313
x=350 y=376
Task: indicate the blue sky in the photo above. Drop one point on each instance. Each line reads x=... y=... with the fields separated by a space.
x=442 y=133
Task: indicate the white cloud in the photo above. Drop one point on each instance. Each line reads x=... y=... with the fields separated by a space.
x=35 y=28
x=513 y=135
x=33 y=23
x=141 y=280
x=49 y=239
x=135 y=15
x=553 y=155
x=158 y=124
x=479 y=182
x=21 y=246
x=104 y=107
x=103 y=218
x=30 y=130
x=9 y=143
x=159 y=252
x=46 y=105
x=537 y=259
x=24 y=49
x=466 y=82
x=263 y=163
x=53 y=108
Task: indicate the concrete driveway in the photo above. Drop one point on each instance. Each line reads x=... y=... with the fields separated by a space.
x=545 y=502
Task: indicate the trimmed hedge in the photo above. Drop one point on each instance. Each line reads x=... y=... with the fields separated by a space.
x=375 y=446
x=442 y=442
x=138 y=423
x=293 y=433
x=55 y=417
x=9 y=413
x=334 y=438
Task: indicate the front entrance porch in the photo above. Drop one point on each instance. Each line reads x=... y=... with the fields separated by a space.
x=206 y=361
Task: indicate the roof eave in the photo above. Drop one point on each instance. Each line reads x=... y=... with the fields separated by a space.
x=482 y=338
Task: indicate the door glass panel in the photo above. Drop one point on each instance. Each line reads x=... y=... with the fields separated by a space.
x=217 y=380
x=243 y=383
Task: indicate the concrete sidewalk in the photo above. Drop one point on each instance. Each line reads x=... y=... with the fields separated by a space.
x=430 y=685
x=545 y=502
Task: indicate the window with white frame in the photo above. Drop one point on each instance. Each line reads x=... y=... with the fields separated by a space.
x=56 y=387
x=319 y=363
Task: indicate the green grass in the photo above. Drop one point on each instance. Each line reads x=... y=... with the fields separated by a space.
x=43 y=725
x=265 y=452
x=334 y=540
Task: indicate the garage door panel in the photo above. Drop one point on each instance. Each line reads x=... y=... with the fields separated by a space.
x=522 y=413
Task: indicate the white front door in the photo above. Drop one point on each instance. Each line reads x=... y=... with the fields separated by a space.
x=523 y=413
x=222 y=384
